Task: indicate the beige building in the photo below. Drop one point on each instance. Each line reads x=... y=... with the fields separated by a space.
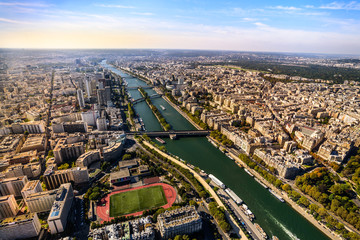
x=53 y=179
x=8 y=207
x=31 y=187
x=20 y=227
x=30 y=127
x=34 y=142
x=67 y=151
x=12 y=186
x=41 y=201
x=180 y=221
x=60 y=210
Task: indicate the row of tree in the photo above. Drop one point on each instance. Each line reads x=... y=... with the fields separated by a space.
x=166 y=126
x=324 y=182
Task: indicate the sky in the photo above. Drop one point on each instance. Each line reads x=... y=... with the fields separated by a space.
x=316 y=26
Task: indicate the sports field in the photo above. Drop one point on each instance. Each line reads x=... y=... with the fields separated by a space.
x=136 y=200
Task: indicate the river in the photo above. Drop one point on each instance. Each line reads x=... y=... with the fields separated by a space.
x=275 y=217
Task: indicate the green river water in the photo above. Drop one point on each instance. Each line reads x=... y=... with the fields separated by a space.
x=275 y=217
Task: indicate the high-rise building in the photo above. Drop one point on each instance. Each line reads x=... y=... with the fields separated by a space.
x=53 y=179
x=41 y=201
x=64 y=151
x=20 y=227
x=31 y=187
x=80 y=97
x=101 y=97
x=107 y=94
x=8 y=207
x=88 y=86
x=12 y=186
x=60 y=210
x=30 y=127
x=90 y=117
x=101 y=124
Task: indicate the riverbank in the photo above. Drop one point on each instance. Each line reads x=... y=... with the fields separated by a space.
x=288 y=200
x=293 y=204
x=201 y=181
x=178 y=109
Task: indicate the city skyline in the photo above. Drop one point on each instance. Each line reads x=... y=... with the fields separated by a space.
x=277 y=26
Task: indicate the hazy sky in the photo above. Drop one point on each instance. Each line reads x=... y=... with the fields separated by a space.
x=318 y=26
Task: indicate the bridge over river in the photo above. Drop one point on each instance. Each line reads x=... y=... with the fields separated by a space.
x=177 y=133
x=143 y=99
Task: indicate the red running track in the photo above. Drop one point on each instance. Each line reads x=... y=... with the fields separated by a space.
x=104 y=211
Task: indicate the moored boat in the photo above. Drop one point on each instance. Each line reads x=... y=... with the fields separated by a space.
x=248 y=172
x=160 y=140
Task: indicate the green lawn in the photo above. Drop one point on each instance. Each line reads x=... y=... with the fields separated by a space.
x=136 y=200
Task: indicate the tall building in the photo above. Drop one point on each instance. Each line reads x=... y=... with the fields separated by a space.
x=90 y=117
x=41 y=201
x=88 y=86
x=64 y=151
x=8 y=207
x=31 y=187
x=12 y=186
x=101 y=124
x=107 y=94
x=80 y=97
x=30 y=127
x=20 y=227
x=101 y=97
x=60 y=209
x=180 y=221
x=53 y=179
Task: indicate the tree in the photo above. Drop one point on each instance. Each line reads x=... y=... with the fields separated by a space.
x=202 y=194
x=304 y=201
x=126 y=156
x=63 y=166
x=193 y=203
x=94 y=196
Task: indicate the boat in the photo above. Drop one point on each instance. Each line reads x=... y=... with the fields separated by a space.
x=228 y=155
x=276 y=195
x=160 y=140
x=212 y=143
x=234 y=196
x=217 y=181
x=262 y=232
x=162 y=107
x=261 y=183
x=248 y=172
x=247 y=212
x=274 y=238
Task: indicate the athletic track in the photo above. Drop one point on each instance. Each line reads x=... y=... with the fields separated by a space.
x=103 y=211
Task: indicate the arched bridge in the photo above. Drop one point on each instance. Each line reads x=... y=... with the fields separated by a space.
x=143 y=99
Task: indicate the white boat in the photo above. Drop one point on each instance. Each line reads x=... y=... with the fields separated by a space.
x=162 y=107
x=234 y=196
x=277 y=196
x=261 y=183
x=228 y=155
x=248 y=172
x=217 y=181
x=212 y=143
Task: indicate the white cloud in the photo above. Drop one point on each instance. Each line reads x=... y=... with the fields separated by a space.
x=23 y=4
x=286 y=8
x=113 y=6
x=341 y=6
x=143 y=13
x=10 y=21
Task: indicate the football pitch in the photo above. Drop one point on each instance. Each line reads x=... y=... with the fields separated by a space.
x=136 y=200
